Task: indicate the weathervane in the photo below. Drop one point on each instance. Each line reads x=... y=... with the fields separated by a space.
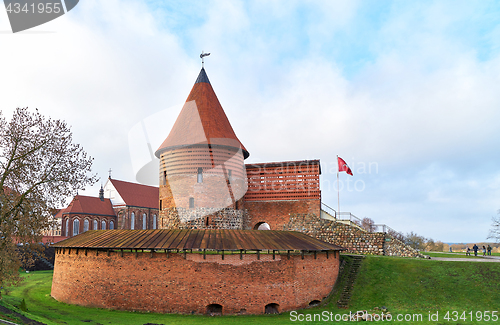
x=202 y=56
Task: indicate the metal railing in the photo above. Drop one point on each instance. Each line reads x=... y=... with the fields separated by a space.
x=331 y=211
x=353 y=220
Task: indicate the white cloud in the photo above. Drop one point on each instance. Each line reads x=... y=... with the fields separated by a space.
x=422 y=102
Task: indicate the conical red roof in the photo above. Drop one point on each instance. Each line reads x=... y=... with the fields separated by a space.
x=202 y=121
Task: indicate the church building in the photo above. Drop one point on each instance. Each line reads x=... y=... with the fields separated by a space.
x=120 y=205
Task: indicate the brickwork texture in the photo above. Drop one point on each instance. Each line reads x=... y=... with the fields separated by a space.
x=188 y=285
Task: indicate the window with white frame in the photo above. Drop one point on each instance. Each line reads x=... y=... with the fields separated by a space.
x=103 y=224
x=85 y=225
x=154 y=221
x=111 y=225
x=132 y=220
x=76 y=227
x=144 y=221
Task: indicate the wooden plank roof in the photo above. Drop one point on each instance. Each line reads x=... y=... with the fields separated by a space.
x=196 y=239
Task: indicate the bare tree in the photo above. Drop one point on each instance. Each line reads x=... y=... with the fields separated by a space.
x=432 y=246
x=415 y=241
x=495 y=228
x=368 y=224
x=40 y=167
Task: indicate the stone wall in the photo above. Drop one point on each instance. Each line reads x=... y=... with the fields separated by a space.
x=395 y=247
x=176 y=284
x=354 y=239
x=203 y=218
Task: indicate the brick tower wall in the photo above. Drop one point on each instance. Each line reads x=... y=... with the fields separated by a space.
x=278 y=190
x=189 y=284
x=201 y=180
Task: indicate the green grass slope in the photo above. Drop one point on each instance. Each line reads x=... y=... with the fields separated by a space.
x=406 y=287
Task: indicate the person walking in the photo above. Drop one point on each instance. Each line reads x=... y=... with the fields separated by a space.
x=489 y=249
x=467 y=253
x=484 y=250
x=475 y=248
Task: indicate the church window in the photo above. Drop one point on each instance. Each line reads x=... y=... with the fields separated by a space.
x=154 y=221
x=191 y=202
x=85 y=225
x=76 y=227
x=95 y=224
x=111 y=225
x=144 y=221
x=103 y=225
x=200 y=175
x=132 y=221
x=67 y=227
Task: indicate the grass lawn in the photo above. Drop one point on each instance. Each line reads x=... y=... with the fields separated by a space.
x=405 y=286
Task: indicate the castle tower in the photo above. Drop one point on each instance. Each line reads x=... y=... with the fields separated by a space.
x=202 y=171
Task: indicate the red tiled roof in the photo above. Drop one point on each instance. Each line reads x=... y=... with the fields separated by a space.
x=138 y=195
x=59 y=213
x=202 y=121
x=89 y=205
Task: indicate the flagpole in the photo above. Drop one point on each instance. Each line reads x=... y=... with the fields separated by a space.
x=338 y=187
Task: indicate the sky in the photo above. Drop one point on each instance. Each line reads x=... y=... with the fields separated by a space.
x=408 y=93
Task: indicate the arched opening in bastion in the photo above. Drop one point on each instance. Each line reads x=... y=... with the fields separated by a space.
x=272 y=308
x=214 y=310
x=262 y=226
x=314 y=303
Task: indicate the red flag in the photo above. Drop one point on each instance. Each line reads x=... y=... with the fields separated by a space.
x=343 y=166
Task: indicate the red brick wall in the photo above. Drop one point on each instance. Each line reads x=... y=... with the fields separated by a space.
x=277 y=213
x=179 y=285
x=124 y=219
x=287 y=180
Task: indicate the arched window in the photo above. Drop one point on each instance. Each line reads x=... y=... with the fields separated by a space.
x=132 y=220
x=200 y=175
x=154 y=221
x=85 y=225
x=95 y=224
x=191 y=202
x=76 y=227
x=67 y=228
x=111 y=225
x=103 y=224
x=144 y=221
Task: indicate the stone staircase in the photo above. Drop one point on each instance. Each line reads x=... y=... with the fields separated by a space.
x=353 y=270
x=46 y=262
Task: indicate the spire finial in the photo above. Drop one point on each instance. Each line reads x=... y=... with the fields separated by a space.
x=109 y=171
x=101 y=193
x=202 y=56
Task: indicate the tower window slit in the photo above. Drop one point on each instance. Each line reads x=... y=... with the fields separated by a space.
x=200 y=175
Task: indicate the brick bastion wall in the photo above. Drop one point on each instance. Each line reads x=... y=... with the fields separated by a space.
x=189 y=283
